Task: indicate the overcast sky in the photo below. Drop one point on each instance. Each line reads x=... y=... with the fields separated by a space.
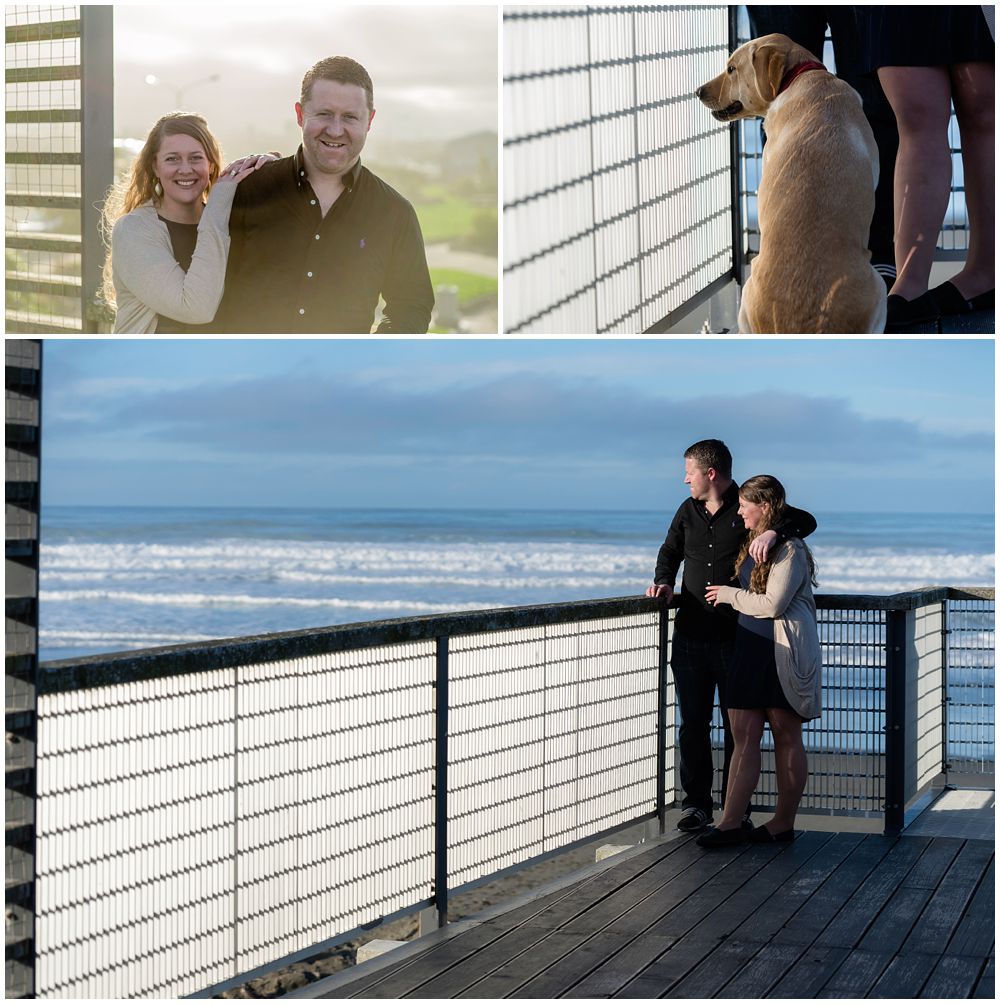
x=847 y=425
x=434 y=67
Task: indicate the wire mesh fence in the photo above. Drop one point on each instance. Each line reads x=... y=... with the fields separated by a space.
x=209 y=811
x=617 y=200
x=58 y=73
x=971 y=711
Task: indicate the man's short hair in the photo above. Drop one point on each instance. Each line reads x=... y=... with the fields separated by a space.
x=342 y=70
x=712 y=453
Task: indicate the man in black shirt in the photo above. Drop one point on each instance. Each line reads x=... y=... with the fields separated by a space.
x=316 y=238
x=706 y=535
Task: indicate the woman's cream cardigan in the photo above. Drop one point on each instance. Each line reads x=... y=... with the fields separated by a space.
x=789 y=602
x=147 y=279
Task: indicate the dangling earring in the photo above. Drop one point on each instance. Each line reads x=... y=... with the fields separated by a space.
x=158 y=189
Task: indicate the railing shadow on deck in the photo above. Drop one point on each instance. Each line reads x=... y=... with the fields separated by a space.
x=209 y=811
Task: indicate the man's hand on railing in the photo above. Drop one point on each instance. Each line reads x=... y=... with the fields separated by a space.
x=666 y=593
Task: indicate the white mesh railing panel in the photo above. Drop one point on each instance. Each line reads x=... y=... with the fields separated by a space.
x=928 y=743
x=617 y=195
x=135 y=822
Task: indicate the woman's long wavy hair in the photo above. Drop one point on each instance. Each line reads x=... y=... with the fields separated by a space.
x=759 y=489
x=137 y=187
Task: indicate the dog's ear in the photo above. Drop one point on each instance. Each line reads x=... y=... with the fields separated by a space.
x=769 y=70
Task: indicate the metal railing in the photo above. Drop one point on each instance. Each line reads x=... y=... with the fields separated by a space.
x=59 y=163
x=208 y=811
x=617 y=186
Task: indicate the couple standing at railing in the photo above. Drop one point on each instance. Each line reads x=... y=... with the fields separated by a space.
x=300 y=244
x=764 y=661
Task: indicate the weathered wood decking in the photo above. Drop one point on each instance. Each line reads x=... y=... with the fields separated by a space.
x=830 y=915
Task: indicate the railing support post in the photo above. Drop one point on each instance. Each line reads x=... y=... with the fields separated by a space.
x=661 y=721
x=945 y=689
x=441 y=782
x=895 y=721
x=97 y=160
x=735 y=150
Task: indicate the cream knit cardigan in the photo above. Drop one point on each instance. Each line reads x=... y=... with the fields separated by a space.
x=147 y=279
x=789 y=602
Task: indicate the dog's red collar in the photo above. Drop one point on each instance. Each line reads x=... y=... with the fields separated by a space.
x=786 y=80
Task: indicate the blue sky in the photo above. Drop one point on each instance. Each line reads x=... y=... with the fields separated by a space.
x=848 y=425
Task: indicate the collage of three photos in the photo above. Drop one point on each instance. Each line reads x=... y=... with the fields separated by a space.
x=447 y=441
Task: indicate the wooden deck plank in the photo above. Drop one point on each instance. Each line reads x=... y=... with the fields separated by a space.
x=953 y=976
x=687 y=907
x=456 y=948
x=515 y=925
x=986 y=987
x=904 y=977
x=863 y=906
x=975 y=933
x=770 y=917
x=893 y=925
x=753 y=914
x=807 y=976
x=943 y=913
x=934 y=863
x=830 y=915
x=857 y=974
x=706 y=979
x=826 y=902
x=613 y=917
x=663 y=917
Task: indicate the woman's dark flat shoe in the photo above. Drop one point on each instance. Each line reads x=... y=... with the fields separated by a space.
x=902 y=314
x=922 y=310
x=762 y=835
x=714 y=837
x=951 y=301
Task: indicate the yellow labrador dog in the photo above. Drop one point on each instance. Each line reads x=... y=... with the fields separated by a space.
x=817 y=192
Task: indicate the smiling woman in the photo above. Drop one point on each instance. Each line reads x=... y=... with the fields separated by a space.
x=168 y=229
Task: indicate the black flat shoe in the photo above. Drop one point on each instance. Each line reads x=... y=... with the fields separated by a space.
x=762 y=835
x=723 y=838
x=985 y=301
x=903 y=314
x=950 y=300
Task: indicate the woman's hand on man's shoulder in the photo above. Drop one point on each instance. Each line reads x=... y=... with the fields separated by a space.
x=245 y=166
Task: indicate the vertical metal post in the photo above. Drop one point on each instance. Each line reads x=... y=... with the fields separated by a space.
x=895 y=721
x=97 y=153
x=23 y=423
x=661 y=721
x=945 y=690
x=736 y=167
x=441 y=783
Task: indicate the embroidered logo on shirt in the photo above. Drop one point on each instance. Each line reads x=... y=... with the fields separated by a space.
x=362 y=244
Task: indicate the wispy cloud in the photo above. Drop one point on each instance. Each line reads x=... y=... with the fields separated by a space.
x=519 y=415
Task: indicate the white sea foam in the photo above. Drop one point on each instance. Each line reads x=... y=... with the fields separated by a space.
x=231 y=599
x=118 y=640
x=287 y=557
x=509 y=568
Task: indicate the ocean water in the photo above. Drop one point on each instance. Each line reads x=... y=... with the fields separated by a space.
x=117 y=578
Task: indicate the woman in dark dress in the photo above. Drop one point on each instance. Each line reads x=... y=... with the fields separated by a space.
x=774 y=676
x=928 y=57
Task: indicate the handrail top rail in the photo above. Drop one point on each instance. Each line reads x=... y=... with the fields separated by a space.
x=194 y=657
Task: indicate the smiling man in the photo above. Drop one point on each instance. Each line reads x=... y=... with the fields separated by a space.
x=317 y=238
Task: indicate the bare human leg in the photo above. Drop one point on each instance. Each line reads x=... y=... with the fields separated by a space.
x=790 y=765
x=920 y=97
x=747 y=726
x=973 y=93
